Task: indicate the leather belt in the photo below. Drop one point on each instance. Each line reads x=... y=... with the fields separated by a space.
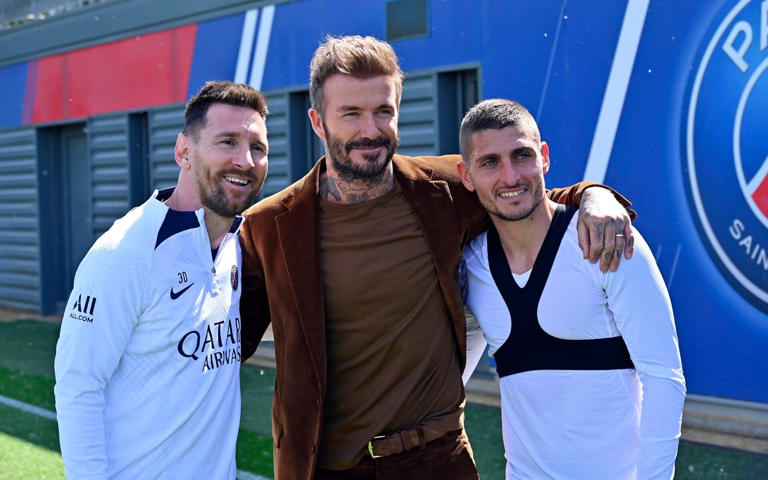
x=402 y=441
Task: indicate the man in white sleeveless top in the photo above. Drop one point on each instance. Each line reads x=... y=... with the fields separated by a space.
x=590 y=373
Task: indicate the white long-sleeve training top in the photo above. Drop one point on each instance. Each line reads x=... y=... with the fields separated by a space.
x=148 y=359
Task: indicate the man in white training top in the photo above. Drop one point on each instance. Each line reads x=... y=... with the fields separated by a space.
x=591 y=380
x=148 y=360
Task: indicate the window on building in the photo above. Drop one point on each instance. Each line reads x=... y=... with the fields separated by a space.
x=407 y=19
x=307 y=147
x=431 y=110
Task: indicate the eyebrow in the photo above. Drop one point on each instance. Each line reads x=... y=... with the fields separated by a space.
x=347 y=108
x=516 y=151
x=237 y=135
x=226 y=134
x=523 y=149
x=488 y=156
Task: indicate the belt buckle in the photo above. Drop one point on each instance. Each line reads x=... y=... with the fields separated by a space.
x=370 y=446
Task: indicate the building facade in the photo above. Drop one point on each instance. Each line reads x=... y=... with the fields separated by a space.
x=664 y=101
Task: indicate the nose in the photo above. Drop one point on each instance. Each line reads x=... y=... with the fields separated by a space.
x=368 y=127
x=509 y=173
x=244 y=158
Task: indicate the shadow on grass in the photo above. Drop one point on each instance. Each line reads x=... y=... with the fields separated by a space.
x=29 y=346
x=696 y=461
x=29 y=428
x=33 y=389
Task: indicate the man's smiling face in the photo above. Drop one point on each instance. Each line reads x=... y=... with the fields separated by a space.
x=229 y=158
x=506 y=168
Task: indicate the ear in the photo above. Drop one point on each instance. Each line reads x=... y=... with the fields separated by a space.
x=544 y=157
x=463 y=169
x=317 y=122
x=181 y=151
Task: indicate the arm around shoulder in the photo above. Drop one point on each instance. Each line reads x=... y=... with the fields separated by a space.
x=573 y=195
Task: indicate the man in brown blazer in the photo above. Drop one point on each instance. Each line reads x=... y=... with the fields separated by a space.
x=355 y=265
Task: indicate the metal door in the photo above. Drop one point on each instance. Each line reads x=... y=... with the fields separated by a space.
x=76 y=217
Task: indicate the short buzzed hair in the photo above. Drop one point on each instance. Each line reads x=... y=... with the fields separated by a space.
x=496 y=113
x=228 y=93
x=353 y=55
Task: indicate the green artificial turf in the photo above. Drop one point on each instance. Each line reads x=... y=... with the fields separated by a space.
x=696 y=461
x=29 y=445
x=483 y=425
x=254 y=453
x=29 y=346
x=22 y=460
x=29 y=388
x=28 y=428
x=257 y=387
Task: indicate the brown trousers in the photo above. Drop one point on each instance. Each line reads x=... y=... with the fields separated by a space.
x=447 y=458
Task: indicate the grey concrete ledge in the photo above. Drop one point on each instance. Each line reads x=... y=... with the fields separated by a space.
x=725 y=415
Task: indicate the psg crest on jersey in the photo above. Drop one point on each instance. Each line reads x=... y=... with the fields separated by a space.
x=233 y=277
x=725 y=137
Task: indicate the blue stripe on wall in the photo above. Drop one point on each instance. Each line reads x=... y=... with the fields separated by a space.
x=13 y=82
x=581 y=67
x=216 y=47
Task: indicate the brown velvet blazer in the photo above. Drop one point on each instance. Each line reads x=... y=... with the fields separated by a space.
x=282 y=283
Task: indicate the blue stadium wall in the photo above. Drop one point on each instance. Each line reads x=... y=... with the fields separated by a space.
x=663 y=100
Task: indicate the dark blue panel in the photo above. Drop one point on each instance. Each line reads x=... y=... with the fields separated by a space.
x=722 y=335
x=175 y=222
x=516 y=43
x=575 y=88
x=753 y=139
x=456 y=36
x=13 y=81
x=236 y=224
x=216 y=48
x=298 y=28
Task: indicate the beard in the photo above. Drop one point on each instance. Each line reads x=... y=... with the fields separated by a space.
x=537 y=193
x=372 y=166
x=214 y=198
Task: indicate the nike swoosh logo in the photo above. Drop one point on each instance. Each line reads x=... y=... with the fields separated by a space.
x=175 y=295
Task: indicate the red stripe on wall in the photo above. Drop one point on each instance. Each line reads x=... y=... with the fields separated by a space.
x=48 y=94
x=138 y=72
x=760 y=196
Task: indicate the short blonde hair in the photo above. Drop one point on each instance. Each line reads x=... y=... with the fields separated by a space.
x=353 y=55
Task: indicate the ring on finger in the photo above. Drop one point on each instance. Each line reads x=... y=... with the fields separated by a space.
x=620 y=235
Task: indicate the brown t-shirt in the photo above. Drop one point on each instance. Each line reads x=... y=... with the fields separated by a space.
x=392 y=357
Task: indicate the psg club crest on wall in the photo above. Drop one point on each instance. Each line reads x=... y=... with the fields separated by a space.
x=726 y=142
x=233 y=277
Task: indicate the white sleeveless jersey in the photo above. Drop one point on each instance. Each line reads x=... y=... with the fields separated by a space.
x=596 y=424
